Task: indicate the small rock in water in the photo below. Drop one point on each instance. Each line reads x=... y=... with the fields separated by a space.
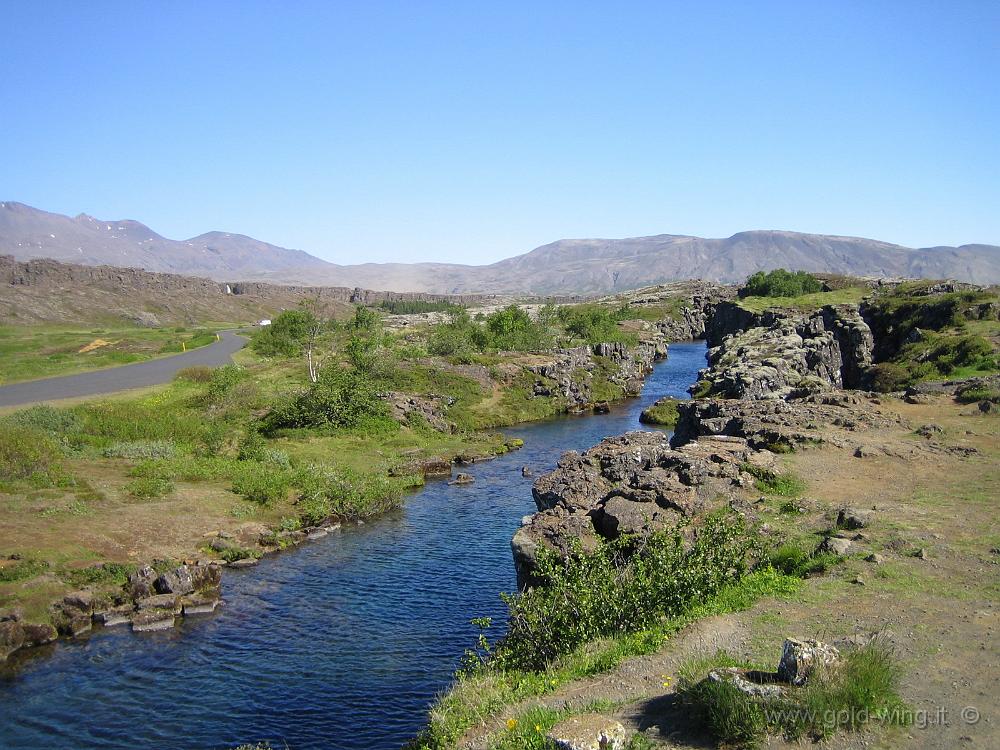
x=463 y=478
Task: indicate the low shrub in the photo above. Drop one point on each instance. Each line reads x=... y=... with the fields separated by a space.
x=792 y=560
x=413 y=307
x=595 y=324
x=663 y=413
x=224 y=379
x=149 y=487
x=108 y=573
x=27 y=453
x=22 y=570
x=624 y=586
x=326 y=493
x=260 y=483
x=51 y=420
x=195 y=374
x=141 y=449
x=342 y=398
x=973 y=393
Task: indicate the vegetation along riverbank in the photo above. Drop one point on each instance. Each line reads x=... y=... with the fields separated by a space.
x=123 y=510
x=796 y=497
x=829 y=497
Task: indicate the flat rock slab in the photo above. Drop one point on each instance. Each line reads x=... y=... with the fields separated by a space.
x=152 y=620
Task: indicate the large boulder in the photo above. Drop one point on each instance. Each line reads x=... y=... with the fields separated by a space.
x=142 y=582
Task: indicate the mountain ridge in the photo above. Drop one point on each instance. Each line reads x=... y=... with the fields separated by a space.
x=566 y=266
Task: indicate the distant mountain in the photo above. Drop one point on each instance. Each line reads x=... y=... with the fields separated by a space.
x=28 y=233
x=563 y=267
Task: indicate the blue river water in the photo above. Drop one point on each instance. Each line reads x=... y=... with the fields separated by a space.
x=341 y=643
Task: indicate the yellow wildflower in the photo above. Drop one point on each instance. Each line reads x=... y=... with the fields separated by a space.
x=511 y=724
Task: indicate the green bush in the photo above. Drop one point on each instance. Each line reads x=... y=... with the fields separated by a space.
x=260 y=483
x=792 y=560
x=127 y=421
x=22 y=570
x=889 y=376
x=108 y=573
x=595 y=324
x=27 y=453
x=223 y=379
x=508 y=329
x=326 y=493
x=141 y=449
x=780 y=283
x=413 y=307
x=773 y=483
x=149 y=487
x=664 y=413
x=285 y=336
x=46 y=418
x=973 y=393
x=340 y=399
x=624 y=586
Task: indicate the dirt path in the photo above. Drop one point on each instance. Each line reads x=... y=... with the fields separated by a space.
x=940 y=608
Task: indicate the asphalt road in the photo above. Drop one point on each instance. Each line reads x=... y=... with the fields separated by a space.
x=139 y=375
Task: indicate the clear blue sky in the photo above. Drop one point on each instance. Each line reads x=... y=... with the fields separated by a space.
x=472 y=131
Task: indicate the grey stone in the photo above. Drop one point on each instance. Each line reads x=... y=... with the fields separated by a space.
x=836 y=545
x=588 y=732
x=854 y=518
x=740 y=679
x=177 y=581
x=801 y=659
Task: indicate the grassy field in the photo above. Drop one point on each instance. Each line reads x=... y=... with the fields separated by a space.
x=805 y=302
x=28 y=353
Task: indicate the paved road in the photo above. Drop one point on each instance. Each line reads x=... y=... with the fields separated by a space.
x=139 y=375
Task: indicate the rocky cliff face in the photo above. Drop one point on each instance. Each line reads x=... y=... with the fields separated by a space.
x=580 y=375
x=47 y=290
x=777 y=353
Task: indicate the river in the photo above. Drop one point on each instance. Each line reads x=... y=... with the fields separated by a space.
x=341 y=643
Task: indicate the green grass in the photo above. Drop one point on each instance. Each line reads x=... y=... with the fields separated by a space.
x=663 y=412
x=477 y=696
x=773 y=483
x=28 y=353
x=849 y=295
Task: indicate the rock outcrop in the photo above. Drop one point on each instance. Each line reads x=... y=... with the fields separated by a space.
x=571 y=374
x=778 y=353
x=777 y=424
x=632 y=484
